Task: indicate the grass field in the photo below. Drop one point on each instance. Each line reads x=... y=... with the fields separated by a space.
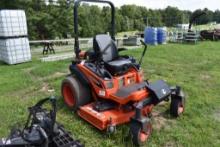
x=195 y=67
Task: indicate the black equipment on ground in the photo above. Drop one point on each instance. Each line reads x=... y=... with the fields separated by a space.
x=193 y=19
x=41 y=130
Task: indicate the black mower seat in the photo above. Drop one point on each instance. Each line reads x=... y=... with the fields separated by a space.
x=118 y=66
x=106 y=50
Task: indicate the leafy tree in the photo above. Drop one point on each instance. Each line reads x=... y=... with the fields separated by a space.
x=216 y=16
x=204 y=19
x=49 y=21
x=172 y=16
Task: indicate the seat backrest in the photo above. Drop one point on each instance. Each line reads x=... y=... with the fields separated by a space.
x=105 y=47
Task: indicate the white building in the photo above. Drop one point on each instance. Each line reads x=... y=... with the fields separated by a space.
x=182 y=26
x=52 y=2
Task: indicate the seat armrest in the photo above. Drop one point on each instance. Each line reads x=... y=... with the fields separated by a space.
x=82 y=54
x=122 y=49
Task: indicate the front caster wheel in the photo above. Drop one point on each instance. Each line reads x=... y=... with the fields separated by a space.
x=177 y=106
x=139 y=135
x=111 y=129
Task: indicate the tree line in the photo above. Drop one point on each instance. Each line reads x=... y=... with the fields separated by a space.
x=50 y=21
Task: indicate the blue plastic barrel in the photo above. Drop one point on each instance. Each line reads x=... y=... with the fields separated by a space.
x=150 y=35
x=161 y=35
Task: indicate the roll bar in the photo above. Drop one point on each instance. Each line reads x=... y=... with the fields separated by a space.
x=76 y=5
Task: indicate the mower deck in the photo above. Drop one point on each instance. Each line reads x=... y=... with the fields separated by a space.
x=102 y=119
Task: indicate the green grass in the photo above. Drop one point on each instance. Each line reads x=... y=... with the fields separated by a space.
x=128 y=33
x=195 y=67
x=206 y=27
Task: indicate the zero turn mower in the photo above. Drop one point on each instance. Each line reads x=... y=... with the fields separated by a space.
x=107 y=89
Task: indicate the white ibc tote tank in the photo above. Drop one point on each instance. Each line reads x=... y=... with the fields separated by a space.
x=13 y=23
x=14 y=44
x=15 y=50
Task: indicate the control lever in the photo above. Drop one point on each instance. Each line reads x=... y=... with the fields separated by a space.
x=143 y=53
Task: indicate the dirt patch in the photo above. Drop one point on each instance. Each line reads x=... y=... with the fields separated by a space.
x=24 y=93
x=45 y=87
x=32 y=91
x=216 y=115
x=58 y=74
x=28 y=70
x=55 y=75
x=170 y=144
x=205 y=77
x=162 y=118
x=159 y=121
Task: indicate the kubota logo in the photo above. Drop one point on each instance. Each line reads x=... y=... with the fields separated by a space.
x=164 y=91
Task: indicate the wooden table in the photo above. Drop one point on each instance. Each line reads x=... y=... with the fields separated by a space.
x=48 y=46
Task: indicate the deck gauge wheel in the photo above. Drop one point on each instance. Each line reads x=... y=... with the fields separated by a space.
x=177 y=106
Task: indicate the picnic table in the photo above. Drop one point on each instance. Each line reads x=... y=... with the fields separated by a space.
x=48 y=46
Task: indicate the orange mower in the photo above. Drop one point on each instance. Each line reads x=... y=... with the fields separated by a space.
x=107 y=89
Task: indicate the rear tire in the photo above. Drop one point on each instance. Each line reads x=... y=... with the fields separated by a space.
x=74 y=93
x=139 y=138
